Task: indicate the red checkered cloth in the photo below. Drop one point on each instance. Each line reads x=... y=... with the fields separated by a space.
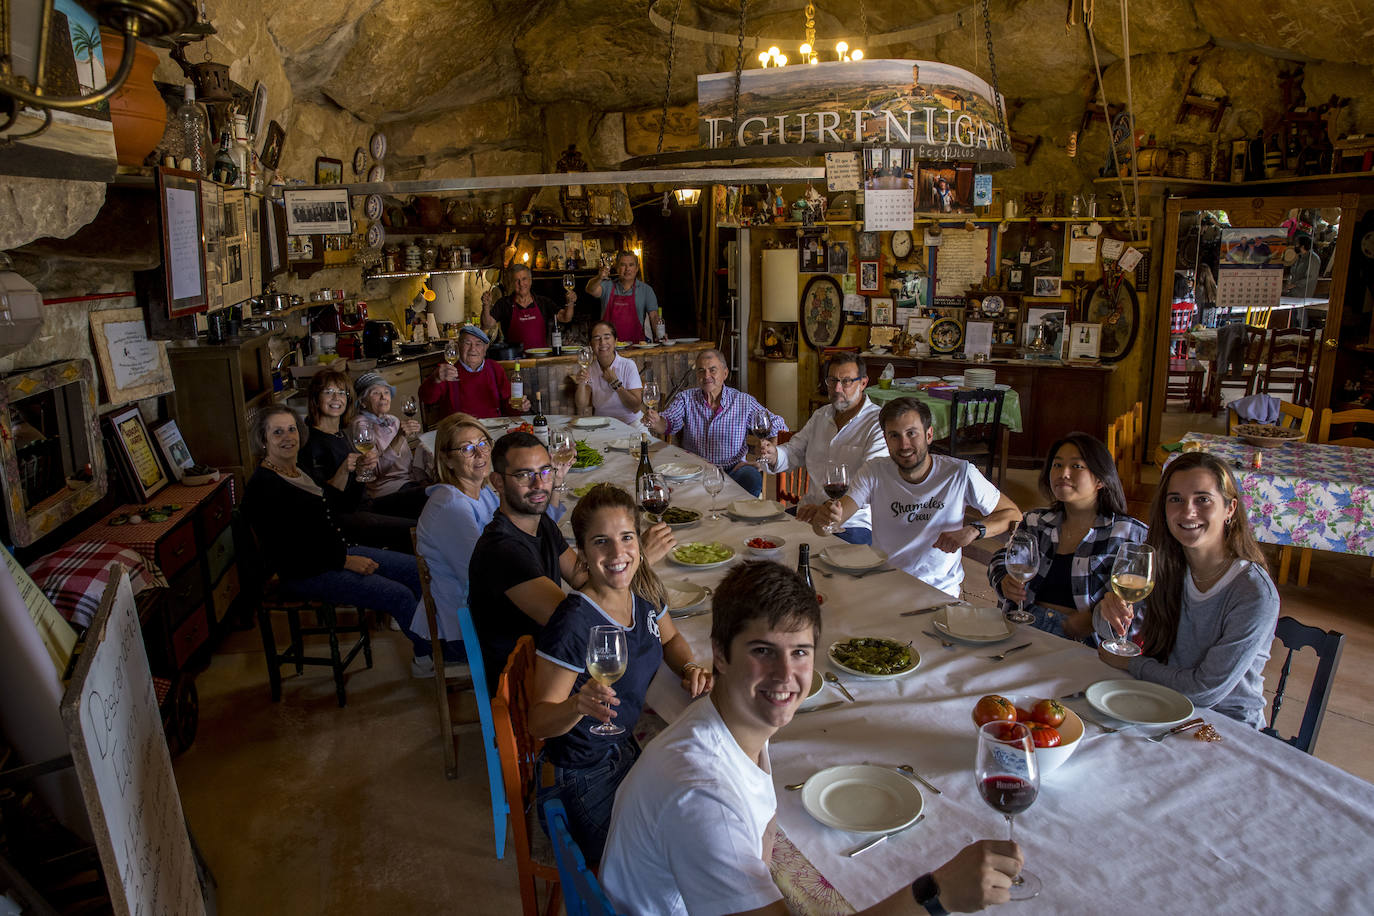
x=75 y=575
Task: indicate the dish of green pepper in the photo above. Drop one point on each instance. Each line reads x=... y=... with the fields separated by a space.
x=874 y=656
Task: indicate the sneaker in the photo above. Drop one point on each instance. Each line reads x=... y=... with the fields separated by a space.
x=422 y=667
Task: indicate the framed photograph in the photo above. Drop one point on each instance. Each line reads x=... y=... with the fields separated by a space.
x=1047 y=326
x=880 y=310
x=556 y=252
x=131 y=366
x=591 y=251
x=869 y=277
x=812 y=248
x=1085 y=340
x=837 y=258
x=944 y=190
x=869 y=245
x=822 y=312
x=320 y=212
x=271 y=145
x=134 y=446
x=328 y=171
x=183 y=258
x=1047 y=287
x=173 y=448
x=882 y=335
x=300 y=248
x=257 y=117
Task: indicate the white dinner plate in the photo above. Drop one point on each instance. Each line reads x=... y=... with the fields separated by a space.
x=681 y=470
x=496 y=422
x=925 y=379
x=688 y=339
x=590 y=422
x=755 y=509
x=1139 y=702
x=862 y=798
x=941 y=622
x=695 y=521
x=829 y=555
x=1001 y=386
x=817 y=685
x=915 y=660
x=685 y=597
x=673 y=556
x=539 y=351
x=628 y=444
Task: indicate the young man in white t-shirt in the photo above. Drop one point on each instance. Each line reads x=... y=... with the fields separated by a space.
x=610 y=386
x=919 y=500
x=693 y=824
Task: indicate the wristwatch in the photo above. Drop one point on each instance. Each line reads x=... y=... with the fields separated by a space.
x=616 y=386
x=928 y=895
x=980 y=528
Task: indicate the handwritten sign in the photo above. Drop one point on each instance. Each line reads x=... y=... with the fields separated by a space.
x=842 y=171
x=962 y=261
x=183 y=236
x=121 y=758
x=133 y=357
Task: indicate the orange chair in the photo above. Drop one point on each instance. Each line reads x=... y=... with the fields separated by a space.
x=519 y=752
x=792 y=483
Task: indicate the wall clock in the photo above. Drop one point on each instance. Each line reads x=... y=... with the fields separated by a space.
x=901 y=243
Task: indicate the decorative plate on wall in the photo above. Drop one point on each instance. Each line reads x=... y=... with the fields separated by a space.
x=377 y=145
x=375 y=235
x=946 y=334
x=372 y=209
x=377 y=173
x=822 y=315
x=359 y=162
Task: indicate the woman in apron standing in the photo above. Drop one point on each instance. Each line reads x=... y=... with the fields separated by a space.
x=626 y=301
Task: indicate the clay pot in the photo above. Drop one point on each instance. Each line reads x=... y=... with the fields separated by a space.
x=137 y=112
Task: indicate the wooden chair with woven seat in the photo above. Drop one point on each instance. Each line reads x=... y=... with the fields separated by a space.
x=582 y=893
x=446 y=684
x=1288 y=361
x=1295 y=635
x=1253 y=342
x=520 y=770
x=1328 y=420
x=975 y=431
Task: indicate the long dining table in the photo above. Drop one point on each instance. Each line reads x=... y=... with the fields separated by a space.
x=1246 y=824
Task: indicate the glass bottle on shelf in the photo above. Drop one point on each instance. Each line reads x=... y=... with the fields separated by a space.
x=195 y=131
x=243 y=152
x=226 y=172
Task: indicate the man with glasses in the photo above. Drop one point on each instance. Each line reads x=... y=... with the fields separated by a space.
x=713 y=418
x=522 y=558
x=845 y=431
x=610 y=385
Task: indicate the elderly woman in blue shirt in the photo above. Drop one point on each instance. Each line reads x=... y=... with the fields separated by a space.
x=1078 y=536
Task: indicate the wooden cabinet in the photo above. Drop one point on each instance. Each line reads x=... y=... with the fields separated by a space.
x=218 y=386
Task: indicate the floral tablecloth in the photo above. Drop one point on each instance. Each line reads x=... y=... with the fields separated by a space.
x=1304 y=495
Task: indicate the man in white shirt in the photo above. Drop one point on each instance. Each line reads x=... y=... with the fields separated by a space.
x=845 y=431
x=610 y=386
x=919 y=500
x=693 y=825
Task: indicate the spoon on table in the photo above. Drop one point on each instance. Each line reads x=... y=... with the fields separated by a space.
x=944 y=642
x=830 y=676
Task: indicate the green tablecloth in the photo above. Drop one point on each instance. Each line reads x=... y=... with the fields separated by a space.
x=939 y=407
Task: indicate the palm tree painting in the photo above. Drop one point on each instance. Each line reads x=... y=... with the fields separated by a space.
x=86 y=43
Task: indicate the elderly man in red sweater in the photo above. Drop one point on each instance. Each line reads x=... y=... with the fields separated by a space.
x=476 y=385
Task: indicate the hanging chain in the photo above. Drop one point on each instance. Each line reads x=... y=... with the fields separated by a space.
x=668 y=81
x=739 y=64
x=992 y=66
x=863 y=23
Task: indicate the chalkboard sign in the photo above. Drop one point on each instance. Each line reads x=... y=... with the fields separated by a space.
x=121 y=758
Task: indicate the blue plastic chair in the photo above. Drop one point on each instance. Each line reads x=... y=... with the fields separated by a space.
x=500 y=808
x=582 y=893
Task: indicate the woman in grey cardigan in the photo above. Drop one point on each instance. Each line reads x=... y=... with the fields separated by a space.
x=1210 y=620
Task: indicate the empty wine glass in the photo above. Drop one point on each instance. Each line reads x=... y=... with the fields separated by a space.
x=713 y=482
x=1023 y=562
x=652 y=490
x=1009 y=780
x=1133 y=578
x=836 y=485
x=607 y=657
x=562 y=449
x=361 y=433
x=651 y=395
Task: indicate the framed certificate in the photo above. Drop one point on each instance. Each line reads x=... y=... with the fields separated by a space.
x=137 y=454
x=183 y=258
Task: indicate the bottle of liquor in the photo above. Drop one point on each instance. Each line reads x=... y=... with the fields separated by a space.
x=556 y=339
x=804 y=565
x=242 y=153
x=226 y=172
x=661 y=328
x=644 y=466
x=517 y=388
x=541 y=423
x=195 y=131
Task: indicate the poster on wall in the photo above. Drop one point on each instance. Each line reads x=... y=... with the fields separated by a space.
x=944 y=189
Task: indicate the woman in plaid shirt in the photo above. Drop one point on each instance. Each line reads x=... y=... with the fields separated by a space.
x=1078 y=536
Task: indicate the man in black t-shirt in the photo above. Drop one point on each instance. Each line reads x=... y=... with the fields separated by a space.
x=522 y=558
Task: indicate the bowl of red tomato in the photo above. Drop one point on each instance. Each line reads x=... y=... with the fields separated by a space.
x=768 y=545
x=1056 y=730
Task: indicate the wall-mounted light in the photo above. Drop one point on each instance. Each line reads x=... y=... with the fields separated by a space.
x=687 y=197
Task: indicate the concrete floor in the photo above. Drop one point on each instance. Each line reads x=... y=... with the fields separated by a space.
x=301 y=807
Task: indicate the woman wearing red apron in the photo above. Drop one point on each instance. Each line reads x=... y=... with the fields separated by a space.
x=523 y=316
x=626 y=301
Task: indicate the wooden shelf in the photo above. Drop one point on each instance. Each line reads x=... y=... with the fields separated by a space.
x=421 y=273
x=1153 y=181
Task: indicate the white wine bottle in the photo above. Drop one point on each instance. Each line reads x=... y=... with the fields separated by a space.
x=517 y=388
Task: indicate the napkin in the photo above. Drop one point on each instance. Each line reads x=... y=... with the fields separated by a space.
x=853 y=556
x=678 y=598
x=754 y=508
x=965 y=620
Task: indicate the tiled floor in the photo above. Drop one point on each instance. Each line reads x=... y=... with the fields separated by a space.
x=302 y=807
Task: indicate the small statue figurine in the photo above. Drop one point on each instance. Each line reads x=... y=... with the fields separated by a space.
x=571 y=160
x=779 y=205
x=816 y=201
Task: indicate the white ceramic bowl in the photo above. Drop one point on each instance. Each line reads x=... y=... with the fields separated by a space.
x=1070 y=734
x=769 y=553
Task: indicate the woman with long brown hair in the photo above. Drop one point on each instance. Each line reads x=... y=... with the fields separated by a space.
x=1210 y=619
x=622 y=591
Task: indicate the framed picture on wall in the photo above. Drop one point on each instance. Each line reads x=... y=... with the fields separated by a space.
x=838 y=257
x=133 y=445
x=822 y=312
x=870 y=276
x=183 y=258
x=880 y=310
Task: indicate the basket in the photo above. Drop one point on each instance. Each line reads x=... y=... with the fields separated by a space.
x=1265 y=435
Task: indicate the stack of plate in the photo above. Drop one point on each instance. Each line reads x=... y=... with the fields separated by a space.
x=980 y=378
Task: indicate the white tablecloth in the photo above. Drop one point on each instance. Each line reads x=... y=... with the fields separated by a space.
x=1245 y=825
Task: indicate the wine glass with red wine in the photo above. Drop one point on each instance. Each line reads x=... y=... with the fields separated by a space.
x=653 y=495
x=836 y=485
x=1009 y=780
x=760 y=427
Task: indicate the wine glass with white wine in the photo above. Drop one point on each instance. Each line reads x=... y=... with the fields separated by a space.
x=1022 y=560
x=364 y=442
x=607 y=657
x=651 y=395
x=562 y=449
x=1133 y=578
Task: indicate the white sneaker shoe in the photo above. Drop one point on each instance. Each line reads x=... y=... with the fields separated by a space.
x=422 y=667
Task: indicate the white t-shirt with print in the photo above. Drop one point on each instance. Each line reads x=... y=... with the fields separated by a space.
x=908 y=517
x=607 y=403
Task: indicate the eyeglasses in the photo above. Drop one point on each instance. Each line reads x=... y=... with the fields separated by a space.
x=332 y=392
x=841 y=382
x=472 y=448
x=528 y=477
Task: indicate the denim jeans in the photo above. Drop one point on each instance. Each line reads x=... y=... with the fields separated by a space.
x=393 y=588
x=849 y=535
x=588 y=793
x=747 y=476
